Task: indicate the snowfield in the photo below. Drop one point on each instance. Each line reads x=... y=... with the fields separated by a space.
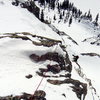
x=15 y=62
x=85 y=6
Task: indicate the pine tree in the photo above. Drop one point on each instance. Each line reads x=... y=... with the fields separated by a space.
x=42 y=16
x=16 y=3
x=88 y=13
x=84 y=16
x=63 y=13
x=96 y=20
x=79 y=12
x=90 y=17
x=73 y=10
x=54 y=17
x=42 y=2
x=97 y=17
x=65 y=4
x=58 y=7
x=70 y=21
x=52 y=4
x=60 y=17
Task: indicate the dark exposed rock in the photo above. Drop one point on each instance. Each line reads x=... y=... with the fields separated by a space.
x=29 y=76
x=46 y=43
x=35 y=57
x=54 y=57
x=42 y=41
x=78 y=87
x=66 y=75
x=64 y=95
x=61 y=33
x=19 y=37
x=42 y=74
x=68 y=63
x=95 y=40
x=15 y=3
x=42 y=70
x=90 y=54
x=75 y=58
x=38 y=95
x=54 y=68
x=55 y=82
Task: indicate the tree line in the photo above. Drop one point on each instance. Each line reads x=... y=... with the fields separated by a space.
x=66 y=5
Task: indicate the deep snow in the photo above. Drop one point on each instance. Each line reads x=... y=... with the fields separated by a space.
x=15 y=63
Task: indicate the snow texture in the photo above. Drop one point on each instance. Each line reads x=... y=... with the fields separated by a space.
x=15 y=63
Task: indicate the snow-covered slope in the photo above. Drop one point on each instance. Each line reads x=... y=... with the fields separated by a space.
x=15 y=63
x=15 y=19
x=84 y=5
x=90 y=64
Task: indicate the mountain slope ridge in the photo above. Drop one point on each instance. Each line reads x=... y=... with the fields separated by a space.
x=9 y=51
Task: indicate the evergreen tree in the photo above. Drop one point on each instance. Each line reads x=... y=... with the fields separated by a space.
x=66 y=17
x=97 y=17
x=63 y=13
x=58 y=8
x=16 y=3
x=84 y=16
x=70 y=7
x=73 y=10
x=89 y=17
x=79 y=12
x=65 y=4
x=88 y=13
x=96 y=20
x=42 y=16
x=54 y=17
x=70 y=21
x=52 y=4
x=42 y=2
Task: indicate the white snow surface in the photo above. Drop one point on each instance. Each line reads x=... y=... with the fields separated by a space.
x=86 y=5
x=15 y=63
x=90 y=65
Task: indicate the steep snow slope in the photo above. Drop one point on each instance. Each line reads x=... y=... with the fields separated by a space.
x=15 y=63
x=90 y=65
x=14 y=19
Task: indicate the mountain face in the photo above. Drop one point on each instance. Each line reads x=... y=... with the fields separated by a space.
x=49 y=50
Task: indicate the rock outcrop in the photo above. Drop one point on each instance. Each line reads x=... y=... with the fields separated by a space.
x=78 y=87
x=38 y=95
x=63 y=63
